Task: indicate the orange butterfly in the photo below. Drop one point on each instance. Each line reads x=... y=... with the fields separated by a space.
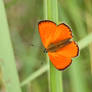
x=57 y=42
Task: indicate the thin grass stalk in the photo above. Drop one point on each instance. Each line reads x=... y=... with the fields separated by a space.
x=77 y=73
x=46 y=17
x=7 y=61
x=55 y=75
x=35 y=75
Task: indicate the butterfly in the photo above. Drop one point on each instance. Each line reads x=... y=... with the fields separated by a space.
x=58 y=43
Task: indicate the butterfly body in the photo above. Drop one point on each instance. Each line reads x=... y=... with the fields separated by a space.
x=58 y=44
x=53 y=47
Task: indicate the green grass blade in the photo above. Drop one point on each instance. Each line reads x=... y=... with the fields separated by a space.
x=84 y=42
x=77 y=73
x=55 y=75
x=8 y=66
x=35 y=75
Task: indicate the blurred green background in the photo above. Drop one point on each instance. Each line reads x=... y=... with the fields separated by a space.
x=23 y=17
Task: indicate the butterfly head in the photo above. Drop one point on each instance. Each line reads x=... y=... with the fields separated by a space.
x=45 y=50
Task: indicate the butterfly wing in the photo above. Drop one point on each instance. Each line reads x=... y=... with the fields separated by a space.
x=70 y=50
x=59 y=61
x=46 y=29
x=63 y=32
x=50 y=33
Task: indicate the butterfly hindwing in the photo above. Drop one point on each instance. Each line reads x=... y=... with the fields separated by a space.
x=70 y=50
x=59 y=61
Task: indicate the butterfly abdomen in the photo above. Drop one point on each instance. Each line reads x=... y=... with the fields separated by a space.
x=55 y=46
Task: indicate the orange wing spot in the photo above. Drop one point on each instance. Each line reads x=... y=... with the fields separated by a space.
x=60 y=62
x=70 y=50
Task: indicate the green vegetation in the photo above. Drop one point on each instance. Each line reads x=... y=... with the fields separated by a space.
x=25 y=67
x=55 y=75
x=8 y=66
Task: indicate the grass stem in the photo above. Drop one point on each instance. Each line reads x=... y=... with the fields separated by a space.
x=8 y=65
x=55 y=75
